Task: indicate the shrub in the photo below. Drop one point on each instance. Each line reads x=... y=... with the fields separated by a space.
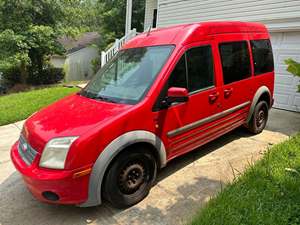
x=11 y=75
x=49 y=75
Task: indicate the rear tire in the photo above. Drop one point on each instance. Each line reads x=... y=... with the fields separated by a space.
x=259 y=118
x=130 y=178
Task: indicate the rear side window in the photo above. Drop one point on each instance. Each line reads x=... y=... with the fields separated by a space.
x=200 y=68
x=262 y=56
x=235 y=61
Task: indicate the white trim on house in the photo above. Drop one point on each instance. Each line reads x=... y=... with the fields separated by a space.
x=149 y=9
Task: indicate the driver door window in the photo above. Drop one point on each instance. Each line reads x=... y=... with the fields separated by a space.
x=195 y=72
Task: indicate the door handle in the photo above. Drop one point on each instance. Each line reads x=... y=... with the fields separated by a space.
x=228 y=92
x=213 y=97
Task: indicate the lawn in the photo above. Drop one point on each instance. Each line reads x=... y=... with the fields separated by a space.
x=19 y=106
x=267 y=193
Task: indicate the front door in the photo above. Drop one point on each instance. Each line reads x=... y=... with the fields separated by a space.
x=187 y=125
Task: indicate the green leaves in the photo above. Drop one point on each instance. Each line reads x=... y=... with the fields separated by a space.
x=29 y=28
x=293 y=68
x=29 y=34
x=13 y=49
x=44 y=39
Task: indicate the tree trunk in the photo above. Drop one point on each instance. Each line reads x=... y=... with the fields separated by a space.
x=23 y=73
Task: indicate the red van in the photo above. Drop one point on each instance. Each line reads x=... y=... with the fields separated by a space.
x=164 y=94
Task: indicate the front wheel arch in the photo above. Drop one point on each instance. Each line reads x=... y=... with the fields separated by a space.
x=143 y=151
x=111 y=151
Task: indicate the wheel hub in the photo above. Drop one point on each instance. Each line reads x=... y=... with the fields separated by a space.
x=131 y=178
x=260 y=119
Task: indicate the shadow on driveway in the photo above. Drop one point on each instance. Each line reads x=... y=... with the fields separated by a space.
x=182 y=187
x=17 y=205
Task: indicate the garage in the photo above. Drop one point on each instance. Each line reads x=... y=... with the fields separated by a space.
x=286 y=45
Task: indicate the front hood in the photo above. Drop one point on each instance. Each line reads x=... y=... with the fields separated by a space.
x=71 y=116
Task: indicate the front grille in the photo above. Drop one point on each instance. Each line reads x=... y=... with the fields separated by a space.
x=27 y=153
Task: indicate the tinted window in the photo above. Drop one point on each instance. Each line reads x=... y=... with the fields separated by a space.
x=262 y=56
x=200 y=68
x=176 y=79
x=178 y=76
x=235 y=61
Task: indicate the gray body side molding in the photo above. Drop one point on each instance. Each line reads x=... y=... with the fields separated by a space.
x=110 y=151
x=259 y=92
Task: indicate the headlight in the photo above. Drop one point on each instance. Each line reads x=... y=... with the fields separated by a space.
x=55 y=152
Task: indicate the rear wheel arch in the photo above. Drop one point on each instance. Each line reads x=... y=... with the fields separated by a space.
x=262 y=94
x=116 y=147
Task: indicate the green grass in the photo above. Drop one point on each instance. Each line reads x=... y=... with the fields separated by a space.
x=19 y=106
x=267 y=193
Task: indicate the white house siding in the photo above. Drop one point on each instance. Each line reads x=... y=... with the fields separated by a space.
x=78 y=64
x=58 y=61
x=268 y=11
x=149 y=7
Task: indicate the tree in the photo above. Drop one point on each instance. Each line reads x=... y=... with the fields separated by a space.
x=29 y=29
x=28 y=34
x=79 y=16
x=13 y=52
x=112 y=15
x=293 y=68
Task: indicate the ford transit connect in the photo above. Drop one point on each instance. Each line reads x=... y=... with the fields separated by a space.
x=165 y=93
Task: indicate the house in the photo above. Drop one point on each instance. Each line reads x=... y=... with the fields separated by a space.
x=77 y=62
x=281 y=17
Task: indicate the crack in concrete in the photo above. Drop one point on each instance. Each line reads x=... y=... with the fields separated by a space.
x=20 y=129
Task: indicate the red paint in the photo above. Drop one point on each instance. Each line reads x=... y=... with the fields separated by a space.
x=98 y=123
x=178 y=92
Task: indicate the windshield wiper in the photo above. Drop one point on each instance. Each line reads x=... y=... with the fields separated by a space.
x=96 y=97
x=106 y=99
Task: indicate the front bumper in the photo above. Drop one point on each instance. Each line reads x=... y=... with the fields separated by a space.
x=70 y=189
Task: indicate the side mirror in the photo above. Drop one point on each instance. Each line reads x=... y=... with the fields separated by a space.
x=177 y=94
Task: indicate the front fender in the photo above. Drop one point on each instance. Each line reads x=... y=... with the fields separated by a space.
x=111 y=151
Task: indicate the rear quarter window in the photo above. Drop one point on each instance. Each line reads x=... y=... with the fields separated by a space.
x=262 y=56
x=235 y=61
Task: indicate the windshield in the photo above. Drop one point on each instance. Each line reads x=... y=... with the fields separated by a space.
x=127 y=78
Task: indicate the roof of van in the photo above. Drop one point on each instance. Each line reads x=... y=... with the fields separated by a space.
x=188 y=33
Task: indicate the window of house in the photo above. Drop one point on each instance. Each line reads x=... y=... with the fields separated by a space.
x=262 y=56
x=200 y=68
x=154 y=21
x=235 y=61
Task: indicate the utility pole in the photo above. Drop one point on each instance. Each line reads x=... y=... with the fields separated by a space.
x=128 y=16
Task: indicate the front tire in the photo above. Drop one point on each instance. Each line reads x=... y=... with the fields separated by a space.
x=259 y=118
x=130 y=178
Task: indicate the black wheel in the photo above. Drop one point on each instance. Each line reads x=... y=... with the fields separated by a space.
x=259 y=118
x=130 y=178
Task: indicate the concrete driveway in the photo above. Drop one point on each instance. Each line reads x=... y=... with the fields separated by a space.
x=182 y=187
